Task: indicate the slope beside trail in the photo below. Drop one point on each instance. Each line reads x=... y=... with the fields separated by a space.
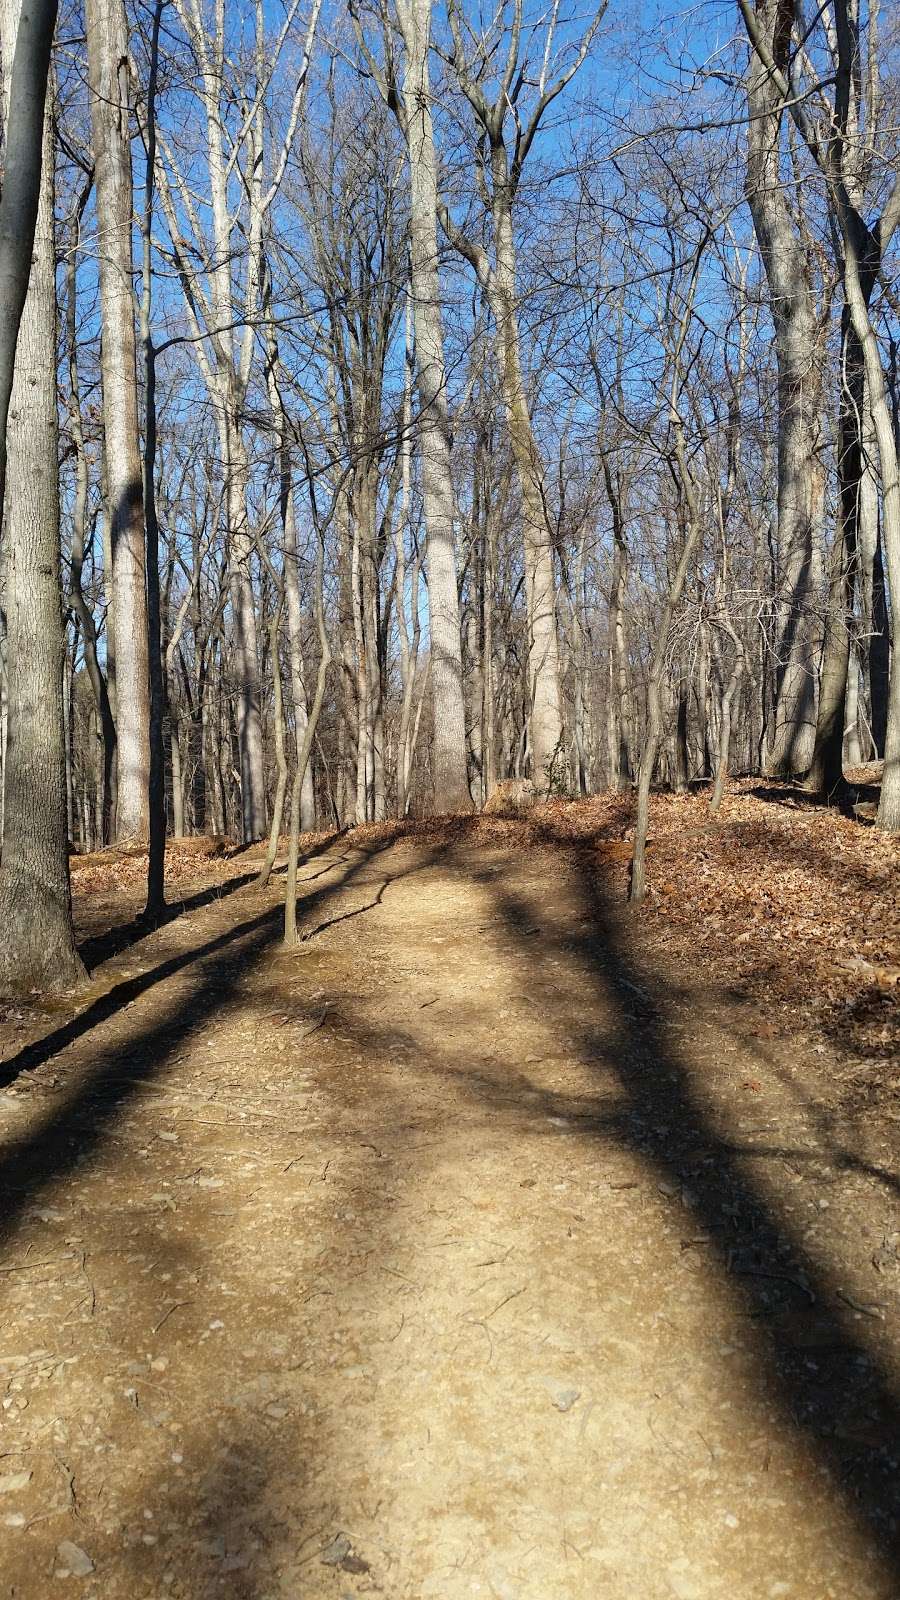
x=476 y=1248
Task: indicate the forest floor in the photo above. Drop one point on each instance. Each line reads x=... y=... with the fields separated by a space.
x=496 y=1242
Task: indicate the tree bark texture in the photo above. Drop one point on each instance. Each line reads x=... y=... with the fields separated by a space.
x=107 y=38
x=37 y=944
x=799 y=358
x=451 y=787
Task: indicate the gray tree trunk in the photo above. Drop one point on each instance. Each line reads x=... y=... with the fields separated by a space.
x=620 y=715
x=874 y=646
x=79 y=517
x=545 y=721
x=290 y=555
x=37 y=944
x=107 y=41
x=826 y=771
x=800 y=365
x=27 y=46
x=451 y=788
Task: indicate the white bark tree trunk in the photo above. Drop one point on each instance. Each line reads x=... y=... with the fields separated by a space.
x=107 y=39
x=451 y=788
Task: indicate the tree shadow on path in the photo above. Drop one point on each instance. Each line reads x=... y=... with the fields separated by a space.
x=100 y=947
x=843 y=1404
x=75 y=1128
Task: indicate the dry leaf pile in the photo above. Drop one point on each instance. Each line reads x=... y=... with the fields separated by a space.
x=106 y=871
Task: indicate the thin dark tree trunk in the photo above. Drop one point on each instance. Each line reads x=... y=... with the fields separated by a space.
x=290 y=901
x=280 y=757
x=731 y=688
x=156 y=864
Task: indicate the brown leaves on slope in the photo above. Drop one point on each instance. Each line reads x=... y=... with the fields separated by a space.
x=786 y=903
x=125 y=867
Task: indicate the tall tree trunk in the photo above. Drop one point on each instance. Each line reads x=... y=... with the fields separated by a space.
x=826 y=772
x=862 y=260
x=800 y=364
x=37 y=944
x=689 y=507
x=248 y=698
x=290 y=555
x=107 y=42
x=874 y=624
x=156 y=863
x=409 y=639
x=545 y=718
x=681 y=769
x=489 y=694
x=620 y=718
x=451 y=788
x=879 y=652
x=281 y=767
x=731 y=688
x=290 y=902
x=27 y=44
x=76 y=598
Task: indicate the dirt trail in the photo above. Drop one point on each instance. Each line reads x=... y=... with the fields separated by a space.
x=462 y=1252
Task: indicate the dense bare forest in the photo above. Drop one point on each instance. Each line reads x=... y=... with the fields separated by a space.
x=447 y=398
x=450 y=804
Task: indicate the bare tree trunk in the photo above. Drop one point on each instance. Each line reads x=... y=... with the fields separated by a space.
x=177 y=777
x=4 y=708
x=489 y=694
x=79 y=524
x=156 y=862
x=290 y=902
x=451 y=787
x=826 y=773
x=886 y=439
x=248 y=698
x=364 y=729
x=409 y=641
x=349 y=736
x=107 y=39
x=681 y=763
x=37 y=943
x=690 y=507
x=879 y=652
x=731 y=688
x=27 y=44
x=295 y=644
x=545 y=720
x=703 y=741
x=653 y=735
x=620 y=715
x=852 y=745
x=281 y=765
x=874 y=625
x=291 y=573
x=800 y=359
